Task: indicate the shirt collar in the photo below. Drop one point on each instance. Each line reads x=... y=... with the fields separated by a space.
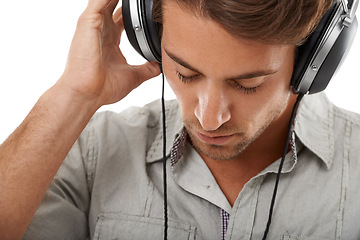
x=174 y=126
x=314 y=126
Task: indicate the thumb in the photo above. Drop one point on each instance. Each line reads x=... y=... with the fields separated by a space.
x=147 y=71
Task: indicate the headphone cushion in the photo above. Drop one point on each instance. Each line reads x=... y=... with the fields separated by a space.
x=151 y=29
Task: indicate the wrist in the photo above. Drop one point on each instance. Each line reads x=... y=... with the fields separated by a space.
x=66 y=108
x=79 y=99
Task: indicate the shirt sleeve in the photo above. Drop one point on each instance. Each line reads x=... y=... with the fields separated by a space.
x=63 y=213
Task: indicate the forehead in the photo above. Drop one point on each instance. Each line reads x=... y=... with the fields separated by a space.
x=205 y=44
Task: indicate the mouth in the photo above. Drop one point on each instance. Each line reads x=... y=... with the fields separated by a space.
x=215 y=140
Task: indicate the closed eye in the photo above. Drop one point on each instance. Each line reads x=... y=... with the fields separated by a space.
x=235 y=84
x=187 y=79
x=243 y=89
x=247 y=90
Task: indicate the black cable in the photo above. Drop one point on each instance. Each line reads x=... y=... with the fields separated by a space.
x=300 y=96
x=164 y=154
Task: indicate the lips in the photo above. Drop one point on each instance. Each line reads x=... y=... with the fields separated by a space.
x=214 y=140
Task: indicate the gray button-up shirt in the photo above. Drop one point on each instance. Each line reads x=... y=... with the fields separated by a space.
x=110 y=185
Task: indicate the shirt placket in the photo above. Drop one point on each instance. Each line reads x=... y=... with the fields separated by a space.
x=176 y=153
x=242 y=216
x=243 y=212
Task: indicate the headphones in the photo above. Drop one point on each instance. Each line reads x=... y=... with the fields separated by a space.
x=317 y=60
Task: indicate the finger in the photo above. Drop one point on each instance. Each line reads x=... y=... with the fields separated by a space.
x=108 y=11
x=112 y=5
x=97 y=5
x=117 y=15
x=118 y=19
x=147 y=71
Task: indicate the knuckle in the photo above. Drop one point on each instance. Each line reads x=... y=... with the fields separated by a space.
x=93 y=20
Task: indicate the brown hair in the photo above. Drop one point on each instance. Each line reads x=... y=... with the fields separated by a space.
x=269 y=21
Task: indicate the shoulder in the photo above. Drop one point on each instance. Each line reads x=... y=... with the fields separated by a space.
x=346 y=128
x=137 y=129
x=317 y=110
x=347 y=116
x=132 y=121
x=347 y=134
x=327 y=130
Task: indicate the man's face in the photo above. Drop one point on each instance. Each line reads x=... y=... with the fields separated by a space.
x=231 y=91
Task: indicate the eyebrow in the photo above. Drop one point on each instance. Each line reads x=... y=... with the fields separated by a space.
x=249 y=75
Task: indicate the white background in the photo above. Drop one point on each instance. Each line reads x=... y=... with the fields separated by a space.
x=34 y=40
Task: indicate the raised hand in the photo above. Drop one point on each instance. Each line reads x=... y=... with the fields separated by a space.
x=96 y=67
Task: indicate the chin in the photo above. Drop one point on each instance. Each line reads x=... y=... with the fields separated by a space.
x=219 y=152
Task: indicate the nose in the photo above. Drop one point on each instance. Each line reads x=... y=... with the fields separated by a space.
x=212 y=109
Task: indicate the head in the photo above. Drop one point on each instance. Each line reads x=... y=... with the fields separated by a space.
x=231 y=68
x=268 y=21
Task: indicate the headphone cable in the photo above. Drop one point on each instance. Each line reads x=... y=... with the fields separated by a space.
x=292 y=118
x=164 y=154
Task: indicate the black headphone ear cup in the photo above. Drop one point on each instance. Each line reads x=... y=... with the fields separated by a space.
x=306 y=51
x=332 y=59
x=147 y=44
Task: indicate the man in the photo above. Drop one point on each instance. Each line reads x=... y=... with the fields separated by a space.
x=226 y=134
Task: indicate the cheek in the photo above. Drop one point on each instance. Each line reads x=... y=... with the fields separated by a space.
x=256 y=110
x=274 y=96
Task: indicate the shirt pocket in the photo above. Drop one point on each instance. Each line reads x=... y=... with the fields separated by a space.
x=129 y=227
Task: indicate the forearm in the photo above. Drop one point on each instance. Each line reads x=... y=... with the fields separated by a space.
x=31 y=156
